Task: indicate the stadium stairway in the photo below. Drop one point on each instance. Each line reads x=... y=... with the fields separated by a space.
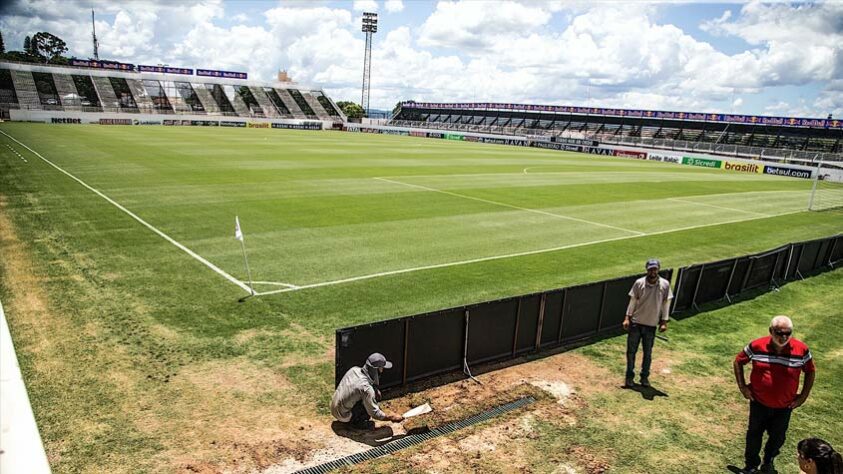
x=291 y=104
x=68 y=94
x=141 y=96
x=108 y=99
x=240 y=107
x=314 y=104
x=206 y=98
x=25 y=89
x=177 y=101
x=269 y=110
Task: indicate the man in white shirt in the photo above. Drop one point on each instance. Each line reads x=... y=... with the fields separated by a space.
x=355 y=400
x=649 y=308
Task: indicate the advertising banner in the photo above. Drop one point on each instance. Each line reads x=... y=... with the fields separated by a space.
x=743 y=167
x=115 y=121
x=790 y=172
x=309 y=126
x=257 y=124
x=232 y=124
x=704 y=162
x=65 y=120
x=225 y=74
x=204 y=123
x=418 y=134
x=434 y=135
x=506 y=141
x=165 y=69
x=638 y=155
x=664 y=157
x=556 y=146
x=454 y=136
x=103 y=64
x=599 y=151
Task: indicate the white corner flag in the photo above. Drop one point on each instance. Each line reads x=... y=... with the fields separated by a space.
x=238 y=234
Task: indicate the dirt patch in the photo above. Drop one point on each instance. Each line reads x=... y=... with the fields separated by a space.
x=233 y=376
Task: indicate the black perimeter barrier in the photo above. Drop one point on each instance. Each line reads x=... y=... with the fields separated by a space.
x=704 y=283
x=430 y=344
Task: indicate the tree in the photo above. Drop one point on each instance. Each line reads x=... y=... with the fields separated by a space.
x=27 y=44
x=2 y=44
x=48 y=46
x=351 y=110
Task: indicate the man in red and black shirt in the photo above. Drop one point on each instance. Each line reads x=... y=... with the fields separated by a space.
x=778 y=361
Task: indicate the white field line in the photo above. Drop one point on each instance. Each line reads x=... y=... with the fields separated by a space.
x=276 y=283
x=21 y=449
x=718 y=207
x=496 y=203
x=512 y=255
x=135 y=217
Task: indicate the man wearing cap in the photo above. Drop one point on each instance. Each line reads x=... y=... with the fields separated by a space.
x=649 y=307
x=355 y=400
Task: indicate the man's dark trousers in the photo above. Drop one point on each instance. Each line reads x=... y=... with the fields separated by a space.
x=359 y=415
x=772 y=420
x=646 y=335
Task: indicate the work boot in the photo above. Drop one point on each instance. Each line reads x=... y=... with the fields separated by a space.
x=645 y=381
x=628 y=383
x=749 y=470
x=768 y=467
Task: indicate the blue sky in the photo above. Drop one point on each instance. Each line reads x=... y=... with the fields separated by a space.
x=752 y=58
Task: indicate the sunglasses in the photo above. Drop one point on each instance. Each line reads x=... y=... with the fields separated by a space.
x=782 y=333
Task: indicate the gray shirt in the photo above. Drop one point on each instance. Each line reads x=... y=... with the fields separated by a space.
x=356 y=385
x=649 y=304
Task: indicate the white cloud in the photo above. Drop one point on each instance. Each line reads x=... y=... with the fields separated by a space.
x=393 y=6
x=365 y=6
x=618 y=55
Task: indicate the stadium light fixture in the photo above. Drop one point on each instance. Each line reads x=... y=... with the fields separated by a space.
x=369 y=27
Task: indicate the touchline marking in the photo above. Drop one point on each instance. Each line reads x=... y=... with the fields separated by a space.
x=276 y=283
x=558 y=216
x=135 y=217
x=511 y=255
x=718 y=207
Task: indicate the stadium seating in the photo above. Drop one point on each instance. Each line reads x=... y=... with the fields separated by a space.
x=81 y=89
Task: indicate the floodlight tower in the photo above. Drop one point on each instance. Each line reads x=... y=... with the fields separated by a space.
x=94 y=36
x=370 y=25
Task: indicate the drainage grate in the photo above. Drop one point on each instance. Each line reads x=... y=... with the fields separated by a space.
x=413 y=440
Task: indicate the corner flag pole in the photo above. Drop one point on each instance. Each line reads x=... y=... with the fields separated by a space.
x=238 y=234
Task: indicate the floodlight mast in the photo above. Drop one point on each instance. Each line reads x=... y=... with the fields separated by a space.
x=370 y=26
x=94 y=36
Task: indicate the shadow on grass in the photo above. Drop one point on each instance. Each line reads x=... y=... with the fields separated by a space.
x=373 y=437
x=647 y=393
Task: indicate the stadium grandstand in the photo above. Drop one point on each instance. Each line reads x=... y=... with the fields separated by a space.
x=780 y=138
x=93 y=91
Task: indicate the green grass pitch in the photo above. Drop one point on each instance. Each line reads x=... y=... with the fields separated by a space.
x=340 y=229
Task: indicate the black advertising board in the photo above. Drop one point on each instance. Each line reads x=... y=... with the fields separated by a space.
x=494 y=324
x=435 y=343
x=582 y=311
x=354 y=344
x=529 y=310
x=714 y=280
x=552 y=320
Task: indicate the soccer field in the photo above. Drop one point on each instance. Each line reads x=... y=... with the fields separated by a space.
x=322 y=209
x=130 y=232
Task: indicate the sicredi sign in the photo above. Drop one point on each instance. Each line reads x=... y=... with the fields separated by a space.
x=705 y=163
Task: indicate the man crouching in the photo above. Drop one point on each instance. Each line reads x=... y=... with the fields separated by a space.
x=355 y=400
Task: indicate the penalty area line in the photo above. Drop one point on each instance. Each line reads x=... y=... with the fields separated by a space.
x=511 y=255
x=134 y=216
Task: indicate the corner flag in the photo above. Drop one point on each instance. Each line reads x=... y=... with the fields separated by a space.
x=238 y=234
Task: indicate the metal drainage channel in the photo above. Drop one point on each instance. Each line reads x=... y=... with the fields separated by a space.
x=412 y=440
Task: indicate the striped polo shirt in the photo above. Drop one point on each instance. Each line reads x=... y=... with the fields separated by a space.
x=774 y=380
